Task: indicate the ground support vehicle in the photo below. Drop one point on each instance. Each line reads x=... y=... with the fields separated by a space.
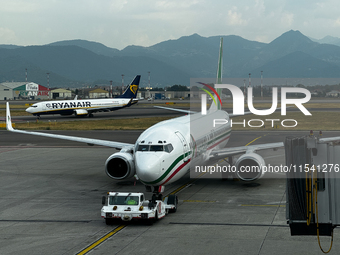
x=133 y=206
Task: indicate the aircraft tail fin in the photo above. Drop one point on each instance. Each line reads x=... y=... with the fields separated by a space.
x=217 y=102
x=132 y=89
x=8 y=118
x=219 y=74
x=216 y=94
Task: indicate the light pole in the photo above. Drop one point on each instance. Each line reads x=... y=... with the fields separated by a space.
x=261 y=85
x=48 y=84
x=122 y=84
x=111 y=89
x=149 y=95
x=48 y=80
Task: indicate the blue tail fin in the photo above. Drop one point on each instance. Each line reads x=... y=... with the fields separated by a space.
x=132 y=89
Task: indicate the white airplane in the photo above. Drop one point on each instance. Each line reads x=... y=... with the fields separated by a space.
x=165 y=152
x=87 y=106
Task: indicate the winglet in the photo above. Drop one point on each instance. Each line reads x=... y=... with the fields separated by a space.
x=8 y=118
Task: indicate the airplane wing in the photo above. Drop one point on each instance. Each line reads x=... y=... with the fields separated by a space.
x=175 y=109
x=236 y=115
x=226 y=152
x=90 y=141
x=329 y=139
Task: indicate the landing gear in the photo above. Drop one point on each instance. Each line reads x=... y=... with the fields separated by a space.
x=156 y=196
x=156 y=190
x=228 y=175
x=171 y=200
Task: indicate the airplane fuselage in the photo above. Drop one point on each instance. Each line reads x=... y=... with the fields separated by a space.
x=68 y=107
x=165 y=151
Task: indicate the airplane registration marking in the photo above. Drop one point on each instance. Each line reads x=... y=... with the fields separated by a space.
x=101 y=240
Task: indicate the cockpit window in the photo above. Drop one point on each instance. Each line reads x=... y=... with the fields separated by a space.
x=167 y=148
x=35 y=106
x=143 y=147
x=156 y=148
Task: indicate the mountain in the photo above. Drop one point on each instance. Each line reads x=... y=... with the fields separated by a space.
x=329 y=40
x=75 y=65
x=9 y=46
x=80 y=62
x=301 y=65
x=95 y=47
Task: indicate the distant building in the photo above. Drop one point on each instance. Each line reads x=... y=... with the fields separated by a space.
x=61 y=94
x=23 y=90
x=333 y=93
x=165 y=94
x=5 y=93
x=99 y=93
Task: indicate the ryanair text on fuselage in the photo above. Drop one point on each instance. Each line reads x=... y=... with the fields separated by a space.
x=68 y=105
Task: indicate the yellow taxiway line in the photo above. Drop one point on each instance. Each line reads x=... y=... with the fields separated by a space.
x=104 y=238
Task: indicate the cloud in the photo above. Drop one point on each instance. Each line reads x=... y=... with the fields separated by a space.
x=118 y=23
x=287 y=19
x=7 y=36
x=235 y=18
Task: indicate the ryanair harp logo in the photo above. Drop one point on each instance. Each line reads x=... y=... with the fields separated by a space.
x=134 y=88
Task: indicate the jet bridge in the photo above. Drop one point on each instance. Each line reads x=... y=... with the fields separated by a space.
x=313 y=185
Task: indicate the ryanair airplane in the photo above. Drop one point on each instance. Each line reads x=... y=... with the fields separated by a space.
x=87 y=107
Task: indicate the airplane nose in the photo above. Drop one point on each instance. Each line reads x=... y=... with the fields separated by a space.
x=29 y=109
x=148 y=166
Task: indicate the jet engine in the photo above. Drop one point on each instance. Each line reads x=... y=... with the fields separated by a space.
x=80 y=112
x=249 y=167
x=120 y=166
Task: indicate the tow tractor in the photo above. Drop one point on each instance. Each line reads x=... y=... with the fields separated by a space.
x=134 y=206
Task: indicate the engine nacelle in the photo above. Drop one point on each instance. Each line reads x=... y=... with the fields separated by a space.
x=80 y=112
x=250 y=167
x=120 y=165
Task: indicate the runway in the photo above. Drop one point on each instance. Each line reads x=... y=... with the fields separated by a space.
x=51 y=199
x=129 y=112
x=146 y=109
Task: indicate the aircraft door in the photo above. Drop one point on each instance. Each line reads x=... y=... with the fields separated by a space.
x=43 y=106
x=186 y=147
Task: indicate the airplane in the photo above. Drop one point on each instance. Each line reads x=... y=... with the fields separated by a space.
x=86 y=107
x=165 y=152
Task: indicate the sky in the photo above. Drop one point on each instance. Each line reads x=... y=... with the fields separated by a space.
x=119 y=23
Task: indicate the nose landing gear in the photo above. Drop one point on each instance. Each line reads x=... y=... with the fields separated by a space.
x=157 y=195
